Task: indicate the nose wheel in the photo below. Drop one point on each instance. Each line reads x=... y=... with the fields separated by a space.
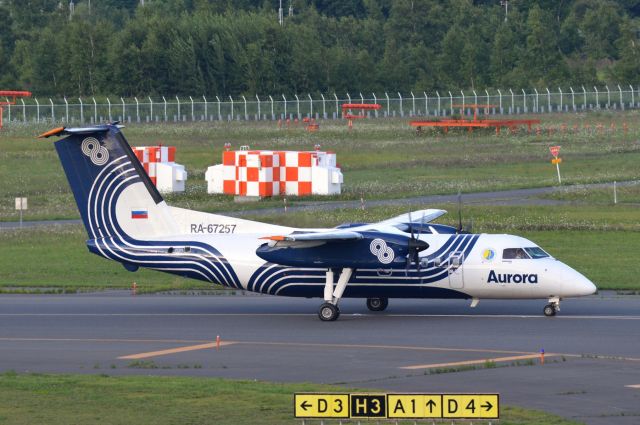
x=552 y=308
x=377 y=304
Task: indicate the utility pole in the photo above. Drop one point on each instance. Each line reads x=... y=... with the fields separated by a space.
x=505 y=3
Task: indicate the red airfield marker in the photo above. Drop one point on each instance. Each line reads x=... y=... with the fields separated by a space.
x=13 y=94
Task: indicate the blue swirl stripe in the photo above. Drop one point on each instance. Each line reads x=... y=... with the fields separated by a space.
x=203 y=262
x=273 y=279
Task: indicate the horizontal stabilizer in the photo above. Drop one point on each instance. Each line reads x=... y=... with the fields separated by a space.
x=63 y=131
x=417 y=217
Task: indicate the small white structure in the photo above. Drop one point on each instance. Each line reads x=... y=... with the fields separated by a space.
x=159 y=163
x=268 y=173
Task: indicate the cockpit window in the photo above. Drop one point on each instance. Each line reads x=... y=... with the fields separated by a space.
x=536 y=252
x=514 y=254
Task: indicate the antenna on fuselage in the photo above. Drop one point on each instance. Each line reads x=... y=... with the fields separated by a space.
x=460 y=228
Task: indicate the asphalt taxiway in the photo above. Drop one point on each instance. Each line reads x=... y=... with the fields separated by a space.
x=592 y=348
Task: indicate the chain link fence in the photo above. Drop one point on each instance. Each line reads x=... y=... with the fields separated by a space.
x=81 y=111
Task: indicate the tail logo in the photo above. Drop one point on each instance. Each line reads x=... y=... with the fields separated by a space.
x=98 y=154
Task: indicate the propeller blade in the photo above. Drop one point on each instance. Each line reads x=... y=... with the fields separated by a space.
x=414 y=246
x=406 y=268
x=409 y=254
x=411 y=225
x=418 y=252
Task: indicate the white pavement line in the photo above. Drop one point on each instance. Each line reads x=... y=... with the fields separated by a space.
x=517 y=316
x=148 y=314
x=107 y=340
x=417 y=316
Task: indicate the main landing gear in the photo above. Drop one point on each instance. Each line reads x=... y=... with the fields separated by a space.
x=377 y=304
x=553 y=307
x=329 y=310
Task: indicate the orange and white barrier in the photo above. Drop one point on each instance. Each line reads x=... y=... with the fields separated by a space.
x=269 y=173
x=159 y=163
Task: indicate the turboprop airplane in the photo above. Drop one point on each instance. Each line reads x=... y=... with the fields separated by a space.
x=407 y=256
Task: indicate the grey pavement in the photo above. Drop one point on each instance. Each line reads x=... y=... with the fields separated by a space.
x=592 y=347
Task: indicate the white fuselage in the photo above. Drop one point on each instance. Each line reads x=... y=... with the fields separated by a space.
x=481 y=273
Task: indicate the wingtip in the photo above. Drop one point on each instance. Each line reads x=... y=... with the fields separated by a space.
x=274 y=238
x=53 y=132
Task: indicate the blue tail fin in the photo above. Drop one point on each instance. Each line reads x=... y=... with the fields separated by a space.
x=100 y=164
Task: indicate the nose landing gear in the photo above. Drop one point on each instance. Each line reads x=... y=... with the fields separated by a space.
x=553 y=307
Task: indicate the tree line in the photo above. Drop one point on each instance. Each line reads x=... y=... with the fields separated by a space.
x=186 y=47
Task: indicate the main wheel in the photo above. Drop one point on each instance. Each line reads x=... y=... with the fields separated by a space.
x=328 y=312
x=550 y=310
x=377 y=304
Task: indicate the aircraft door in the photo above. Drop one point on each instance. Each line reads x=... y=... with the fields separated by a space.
x=456 y=270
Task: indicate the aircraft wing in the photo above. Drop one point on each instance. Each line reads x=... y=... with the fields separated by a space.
x=337 y=235
x=417 y=217
x=62 y=131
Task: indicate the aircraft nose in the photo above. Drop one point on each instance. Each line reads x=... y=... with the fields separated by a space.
x=578 y=285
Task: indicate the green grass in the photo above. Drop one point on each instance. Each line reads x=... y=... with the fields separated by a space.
x=626 y=195
x=380 y=159
x=606 y=258
x=86 y=399
x=488 y=219
x=57 y=257
x=600 y=241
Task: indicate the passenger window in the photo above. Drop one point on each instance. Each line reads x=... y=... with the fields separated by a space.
x=514 y=254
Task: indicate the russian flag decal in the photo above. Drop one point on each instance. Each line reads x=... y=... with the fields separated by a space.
x=139 y=214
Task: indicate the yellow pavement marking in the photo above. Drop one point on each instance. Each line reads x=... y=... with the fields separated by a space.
x=633 y=386
x=173 y=351
x=311 y=344
x=472 y=362
x=383 y=347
